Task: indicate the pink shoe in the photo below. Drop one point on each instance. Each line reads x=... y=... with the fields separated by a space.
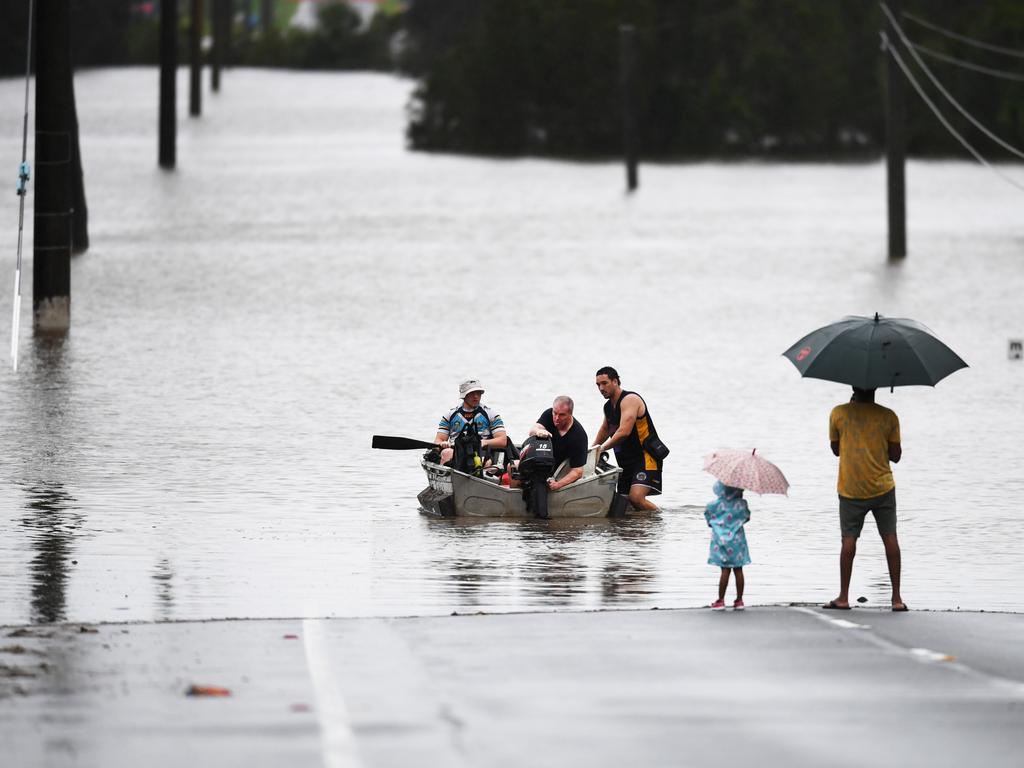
x=718 y=605
x=738 y=605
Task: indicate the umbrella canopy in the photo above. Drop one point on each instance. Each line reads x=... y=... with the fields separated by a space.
x=874 y=352
x=749 y=471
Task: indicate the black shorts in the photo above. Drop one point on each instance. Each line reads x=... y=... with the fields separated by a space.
x=637 y=474
x=853 y=511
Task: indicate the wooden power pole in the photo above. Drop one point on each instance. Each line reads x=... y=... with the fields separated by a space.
x=895 y=146
x=168 y=81
x=54 y=206
x=195 y=59
x=627 y=74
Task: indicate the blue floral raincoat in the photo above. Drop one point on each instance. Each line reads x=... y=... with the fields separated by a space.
x=726 y=516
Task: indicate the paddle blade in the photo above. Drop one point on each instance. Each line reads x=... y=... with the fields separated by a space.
x=399 y=443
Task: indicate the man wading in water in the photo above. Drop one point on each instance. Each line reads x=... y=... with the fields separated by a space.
x=633 y=437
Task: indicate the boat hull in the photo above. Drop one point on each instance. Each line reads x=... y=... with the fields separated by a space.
x=450 y=493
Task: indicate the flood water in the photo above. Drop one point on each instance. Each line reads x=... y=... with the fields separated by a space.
x=198 y=446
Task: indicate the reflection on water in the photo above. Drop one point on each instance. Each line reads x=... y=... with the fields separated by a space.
x=163 y=580
x=559 y=563
x=50 y=521
x=50 y=525
x=200 y=441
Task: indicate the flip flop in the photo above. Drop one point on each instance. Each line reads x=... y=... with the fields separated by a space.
x=831 y=605
x=901 y=609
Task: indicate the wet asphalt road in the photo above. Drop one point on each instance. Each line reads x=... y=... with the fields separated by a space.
x=793 y=686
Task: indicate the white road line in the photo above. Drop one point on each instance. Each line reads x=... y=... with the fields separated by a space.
x=926 y=654
x=1012 y=687
x=337 y=741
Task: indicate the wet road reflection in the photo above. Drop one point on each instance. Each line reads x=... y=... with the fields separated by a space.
x=163 y=581
x=51 y=524
x=50 y=520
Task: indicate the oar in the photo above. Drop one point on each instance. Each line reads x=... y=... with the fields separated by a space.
x=399 y=443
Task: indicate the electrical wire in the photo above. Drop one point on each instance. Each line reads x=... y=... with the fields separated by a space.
x=964 y=39
x=949 y=97
x=1000 y=73
x=942 y=119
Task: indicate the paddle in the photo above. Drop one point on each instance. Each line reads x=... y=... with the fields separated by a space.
x=399 y=443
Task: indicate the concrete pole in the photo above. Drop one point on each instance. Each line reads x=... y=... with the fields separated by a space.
x=168 y=78
x=627 y=72
x=896 y=147
x=51 y=283
x=195 y=59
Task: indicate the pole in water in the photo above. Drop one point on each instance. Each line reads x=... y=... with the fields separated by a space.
x=54 y=197
x=168 y=77
x=627 y=73
x=195 y=52
x=218 y=44
x=895 y=147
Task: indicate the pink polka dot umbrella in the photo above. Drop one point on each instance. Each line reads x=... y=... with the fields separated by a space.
x=749 y=471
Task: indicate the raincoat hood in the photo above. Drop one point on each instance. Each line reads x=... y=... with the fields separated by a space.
x=727 y=492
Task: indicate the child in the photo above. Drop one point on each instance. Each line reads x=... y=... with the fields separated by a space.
x=726 y=516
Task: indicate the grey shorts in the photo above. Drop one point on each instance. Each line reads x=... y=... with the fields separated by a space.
x=853 y=511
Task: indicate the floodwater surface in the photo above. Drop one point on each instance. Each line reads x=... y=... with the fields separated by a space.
x=198 y=446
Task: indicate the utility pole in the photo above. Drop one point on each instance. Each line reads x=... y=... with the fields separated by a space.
x=627 y=74
x=51 y=283
x=895 y=145
x=217 y=11
x=195 y=59
x=168 y=78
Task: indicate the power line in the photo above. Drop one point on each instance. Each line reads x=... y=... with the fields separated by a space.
x=1001 y=73
x=949 y=97
x=964 y=39
x=977 y=155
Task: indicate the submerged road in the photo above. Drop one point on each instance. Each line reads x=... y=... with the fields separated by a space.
x=786 y=686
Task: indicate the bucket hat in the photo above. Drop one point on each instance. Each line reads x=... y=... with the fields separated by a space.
x=470 y=385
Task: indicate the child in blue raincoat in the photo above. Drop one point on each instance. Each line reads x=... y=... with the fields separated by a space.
x=726 y=516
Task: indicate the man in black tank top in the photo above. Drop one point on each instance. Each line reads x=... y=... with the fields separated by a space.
x=626 y=427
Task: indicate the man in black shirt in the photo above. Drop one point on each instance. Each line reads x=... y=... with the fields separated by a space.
x=568 y=439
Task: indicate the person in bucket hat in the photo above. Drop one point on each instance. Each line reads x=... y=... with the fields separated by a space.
x=488 y=422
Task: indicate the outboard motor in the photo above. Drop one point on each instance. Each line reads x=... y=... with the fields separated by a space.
x=536 y=464
x=467 y=456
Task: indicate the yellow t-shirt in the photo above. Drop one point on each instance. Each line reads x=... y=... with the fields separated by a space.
x=864 y=431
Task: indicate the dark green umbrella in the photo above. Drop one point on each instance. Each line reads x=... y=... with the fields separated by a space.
x=874 y=352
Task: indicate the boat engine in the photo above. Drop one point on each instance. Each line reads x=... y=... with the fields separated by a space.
x=467 y=452
x=536 y=464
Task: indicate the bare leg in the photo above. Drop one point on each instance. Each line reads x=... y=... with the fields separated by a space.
x=723 y=583
x=638 y=498
x=846 y=555
x=739 y=583
x=894 y=561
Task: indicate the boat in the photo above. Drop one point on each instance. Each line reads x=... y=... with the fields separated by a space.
x=453 y=493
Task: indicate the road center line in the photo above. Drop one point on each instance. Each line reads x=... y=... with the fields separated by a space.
x=920 y=655
x=337 y=742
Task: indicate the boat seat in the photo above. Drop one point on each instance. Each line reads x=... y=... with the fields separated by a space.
x=590 y=468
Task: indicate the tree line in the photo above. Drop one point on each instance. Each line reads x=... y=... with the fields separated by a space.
x=796 y=78
x=714 y=78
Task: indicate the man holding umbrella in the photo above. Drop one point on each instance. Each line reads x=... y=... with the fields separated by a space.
x=870 y=352
x=866 y=437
